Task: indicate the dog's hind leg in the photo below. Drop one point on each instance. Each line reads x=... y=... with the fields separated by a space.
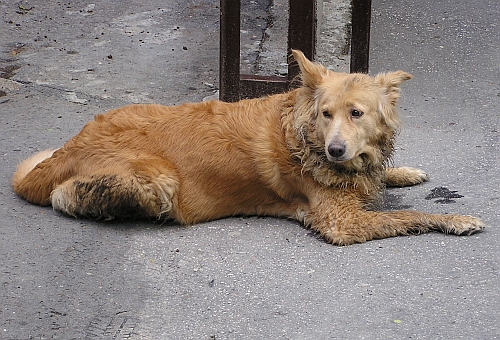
x=404 y=176
x=143 y=192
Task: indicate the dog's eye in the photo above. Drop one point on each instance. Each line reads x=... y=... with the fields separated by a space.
x=356 y=113
x=326 y=114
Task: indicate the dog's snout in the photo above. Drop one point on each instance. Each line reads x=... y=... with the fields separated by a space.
x=336 y=149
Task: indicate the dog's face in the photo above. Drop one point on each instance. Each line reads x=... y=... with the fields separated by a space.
x=354 y=115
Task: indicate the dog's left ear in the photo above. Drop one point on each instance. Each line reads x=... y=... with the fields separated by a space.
x=391 y=82
x=312 y=73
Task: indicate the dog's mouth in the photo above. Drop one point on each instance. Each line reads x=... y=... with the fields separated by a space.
x=341 y=167
x=339 y=160
x=353 y=164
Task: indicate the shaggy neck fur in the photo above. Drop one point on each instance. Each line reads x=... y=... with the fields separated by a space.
x=364 y=173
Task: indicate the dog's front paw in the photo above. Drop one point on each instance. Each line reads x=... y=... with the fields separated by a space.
x=405 y=176
x=464 y=225
x=414 y=175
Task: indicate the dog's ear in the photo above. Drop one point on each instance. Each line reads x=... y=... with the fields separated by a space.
x=312 y=73
x=391 y=82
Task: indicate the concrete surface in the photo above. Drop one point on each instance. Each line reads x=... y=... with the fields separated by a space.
x=246 y=278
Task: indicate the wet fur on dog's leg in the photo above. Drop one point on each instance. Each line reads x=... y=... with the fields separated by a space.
x=144 y=193
x=98 y=197
x=346 y=222
x=364 y=226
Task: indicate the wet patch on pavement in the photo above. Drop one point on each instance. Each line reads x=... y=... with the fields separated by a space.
x=393 y=200
x=444 y=194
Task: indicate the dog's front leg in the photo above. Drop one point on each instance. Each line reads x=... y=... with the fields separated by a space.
x=404 y=176
x=342 y=220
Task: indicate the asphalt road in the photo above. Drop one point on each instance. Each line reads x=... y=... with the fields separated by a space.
x=246 y=278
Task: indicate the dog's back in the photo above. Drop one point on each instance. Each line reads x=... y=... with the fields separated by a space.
x=213 y=149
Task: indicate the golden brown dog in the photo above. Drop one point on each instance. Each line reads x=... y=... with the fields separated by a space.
x=317 y=154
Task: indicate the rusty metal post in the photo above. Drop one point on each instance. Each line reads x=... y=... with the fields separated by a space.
x=229 y=62
x=301 y=36
x=301 y=31
x=360 y=35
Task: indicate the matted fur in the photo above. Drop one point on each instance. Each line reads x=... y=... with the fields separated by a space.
x=317 y=154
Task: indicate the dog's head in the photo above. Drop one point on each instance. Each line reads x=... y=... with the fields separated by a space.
x=351 y=119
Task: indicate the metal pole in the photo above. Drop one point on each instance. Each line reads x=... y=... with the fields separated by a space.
x=360 y=35
x=229 y=72
x=301 y=31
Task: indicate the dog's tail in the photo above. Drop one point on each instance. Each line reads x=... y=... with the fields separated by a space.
x=31 y=182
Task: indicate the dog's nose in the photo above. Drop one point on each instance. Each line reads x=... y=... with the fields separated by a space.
x=336 y=150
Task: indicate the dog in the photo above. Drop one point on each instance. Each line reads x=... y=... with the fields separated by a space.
x=317 y=154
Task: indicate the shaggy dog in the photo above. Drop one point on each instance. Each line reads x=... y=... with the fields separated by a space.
x=316 y=154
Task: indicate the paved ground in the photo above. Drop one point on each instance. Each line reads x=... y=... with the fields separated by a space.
x=246 y=278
